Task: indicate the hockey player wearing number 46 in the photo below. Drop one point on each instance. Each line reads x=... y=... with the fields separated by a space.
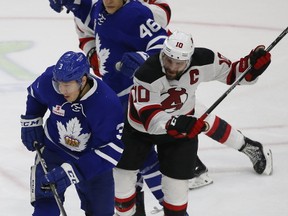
x=162 y=112
x=81 y=140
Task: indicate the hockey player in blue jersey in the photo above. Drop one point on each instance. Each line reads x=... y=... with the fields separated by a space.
x=132 y=45
x=81 y=139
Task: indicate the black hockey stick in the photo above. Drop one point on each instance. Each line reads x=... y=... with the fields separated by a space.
x=240 y=78
x=52 y=186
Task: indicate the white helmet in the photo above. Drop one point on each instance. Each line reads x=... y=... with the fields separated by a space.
x=179 y=46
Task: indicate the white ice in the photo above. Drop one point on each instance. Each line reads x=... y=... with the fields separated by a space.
x=33 y=37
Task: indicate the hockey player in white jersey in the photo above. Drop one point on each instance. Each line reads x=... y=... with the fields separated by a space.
x=162 y=111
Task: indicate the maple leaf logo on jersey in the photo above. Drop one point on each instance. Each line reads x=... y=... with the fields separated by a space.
x=174 y=99
x=102 y=54
x=71 y=137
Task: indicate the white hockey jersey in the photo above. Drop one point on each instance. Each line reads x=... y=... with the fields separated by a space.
x=154 y=98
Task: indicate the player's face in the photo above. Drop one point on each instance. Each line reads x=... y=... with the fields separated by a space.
x=173 y=67
x=70 y=90
x=112 y=6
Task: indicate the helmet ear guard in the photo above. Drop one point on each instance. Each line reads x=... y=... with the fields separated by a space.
x=179 y=46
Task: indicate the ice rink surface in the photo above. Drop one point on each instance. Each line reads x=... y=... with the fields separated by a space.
x=33 y=37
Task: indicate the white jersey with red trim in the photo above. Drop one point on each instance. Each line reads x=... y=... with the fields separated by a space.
x=154 y=98
x=160 y=9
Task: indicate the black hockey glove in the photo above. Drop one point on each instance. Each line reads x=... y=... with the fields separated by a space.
x=31 y=131
x=259 y=60
x=185 y=126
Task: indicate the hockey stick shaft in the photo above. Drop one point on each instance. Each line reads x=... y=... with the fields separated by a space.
x=52 y=186
x=240 y=78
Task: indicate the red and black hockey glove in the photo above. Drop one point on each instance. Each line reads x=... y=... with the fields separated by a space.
x=185 y=126
x=259 y=60
x=93 y=60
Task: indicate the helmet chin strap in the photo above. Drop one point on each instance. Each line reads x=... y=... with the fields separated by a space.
x=81 y=90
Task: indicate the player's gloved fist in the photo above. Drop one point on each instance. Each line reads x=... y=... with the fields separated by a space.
x=198 y=127
x=31 y=131
x=130 y=62
x=62 y=177
x=259 y=60
x=185 y=126
x=57 y=5
x=93 y=60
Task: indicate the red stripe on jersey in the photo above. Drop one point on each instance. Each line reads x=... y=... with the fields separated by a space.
x=133 y=114
x=214 y=127
x=147 y=113
x=220 y=130
x=124 y=205
x=226 y=134
x=83 y=41
x=232 y=74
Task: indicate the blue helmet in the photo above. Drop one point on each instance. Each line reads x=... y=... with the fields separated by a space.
x=71 y=66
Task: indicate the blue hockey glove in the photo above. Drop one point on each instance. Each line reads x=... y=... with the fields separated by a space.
x=62 y=177
x=259 y=60
x=31 y=131
x=131 y=61
x=57 y=5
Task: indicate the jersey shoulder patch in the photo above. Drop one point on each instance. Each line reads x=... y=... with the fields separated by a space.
x=202 y=56
x=151 y=70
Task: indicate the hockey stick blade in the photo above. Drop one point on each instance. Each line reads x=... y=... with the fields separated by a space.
x=52 y=186
x=240 y=78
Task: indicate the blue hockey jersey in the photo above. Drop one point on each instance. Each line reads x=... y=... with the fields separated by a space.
x=86 y=132
x=130 y=29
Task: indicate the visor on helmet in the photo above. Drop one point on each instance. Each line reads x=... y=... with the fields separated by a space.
x=66 y=87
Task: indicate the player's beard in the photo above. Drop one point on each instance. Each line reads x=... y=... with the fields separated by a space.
x=172 y=75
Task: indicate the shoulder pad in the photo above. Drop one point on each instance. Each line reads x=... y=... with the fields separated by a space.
x=151 y=70
x=202 y=56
